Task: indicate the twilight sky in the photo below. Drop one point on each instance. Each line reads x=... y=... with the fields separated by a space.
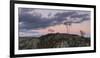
x=37 y=22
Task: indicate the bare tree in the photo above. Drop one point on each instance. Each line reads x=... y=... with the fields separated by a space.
x=68 y=24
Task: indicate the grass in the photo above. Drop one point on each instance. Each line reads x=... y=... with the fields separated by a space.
x=57 y=40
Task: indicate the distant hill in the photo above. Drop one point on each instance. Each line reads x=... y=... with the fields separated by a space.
x=54 y=40
x=63 y=40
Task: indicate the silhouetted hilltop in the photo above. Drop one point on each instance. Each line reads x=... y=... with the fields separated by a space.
x=59 y=35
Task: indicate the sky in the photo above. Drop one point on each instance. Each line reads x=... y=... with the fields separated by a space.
x=35 y=22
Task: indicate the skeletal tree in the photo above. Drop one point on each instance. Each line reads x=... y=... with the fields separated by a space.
x=68 y=24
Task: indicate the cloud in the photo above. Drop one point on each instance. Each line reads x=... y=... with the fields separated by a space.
x=30 y=18
x=74 y=16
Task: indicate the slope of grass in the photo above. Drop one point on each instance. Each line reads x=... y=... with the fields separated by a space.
x=57 y=40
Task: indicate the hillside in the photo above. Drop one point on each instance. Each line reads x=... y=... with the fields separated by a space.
x=63 y=40
x=54 y=40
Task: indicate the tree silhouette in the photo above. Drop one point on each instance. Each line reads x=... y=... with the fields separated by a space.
x=68 y=24
x=82 y=33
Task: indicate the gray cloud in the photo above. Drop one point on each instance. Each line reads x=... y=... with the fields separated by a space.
x=30 y=21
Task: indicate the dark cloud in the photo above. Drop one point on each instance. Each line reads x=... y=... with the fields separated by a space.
x=65 y=14
x=24 y=10
x=36 y=21
x=80 y=16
